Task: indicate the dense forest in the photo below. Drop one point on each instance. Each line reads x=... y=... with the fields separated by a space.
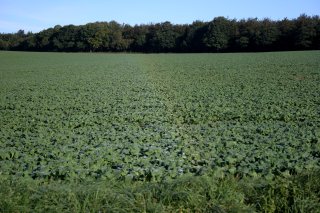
x=219 y=35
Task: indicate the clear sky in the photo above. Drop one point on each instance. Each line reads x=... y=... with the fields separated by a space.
x=36 y=15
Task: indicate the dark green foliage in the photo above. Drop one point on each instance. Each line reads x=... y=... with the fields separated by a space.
x=162 y=37
x=305 y=31
x=218 y=35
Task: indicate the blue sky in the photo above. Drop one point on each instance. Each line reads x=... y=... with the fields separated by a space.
x=36 y=15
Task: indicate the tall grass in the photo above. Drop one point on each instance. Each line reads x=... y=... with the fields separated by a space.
x=298 y=193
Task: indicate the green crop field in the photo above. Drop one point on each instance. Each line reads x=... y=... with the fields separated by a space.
x=142 y=120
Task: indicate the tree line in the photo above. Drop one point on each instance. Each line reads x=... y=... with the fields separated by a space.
x=219 y=35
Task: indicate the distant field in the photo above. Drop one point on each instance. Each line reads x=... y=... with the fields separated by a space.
x=157 y=117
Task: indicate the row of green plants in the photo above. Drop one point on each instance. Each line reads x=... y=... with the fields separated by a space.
x=159 y=117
